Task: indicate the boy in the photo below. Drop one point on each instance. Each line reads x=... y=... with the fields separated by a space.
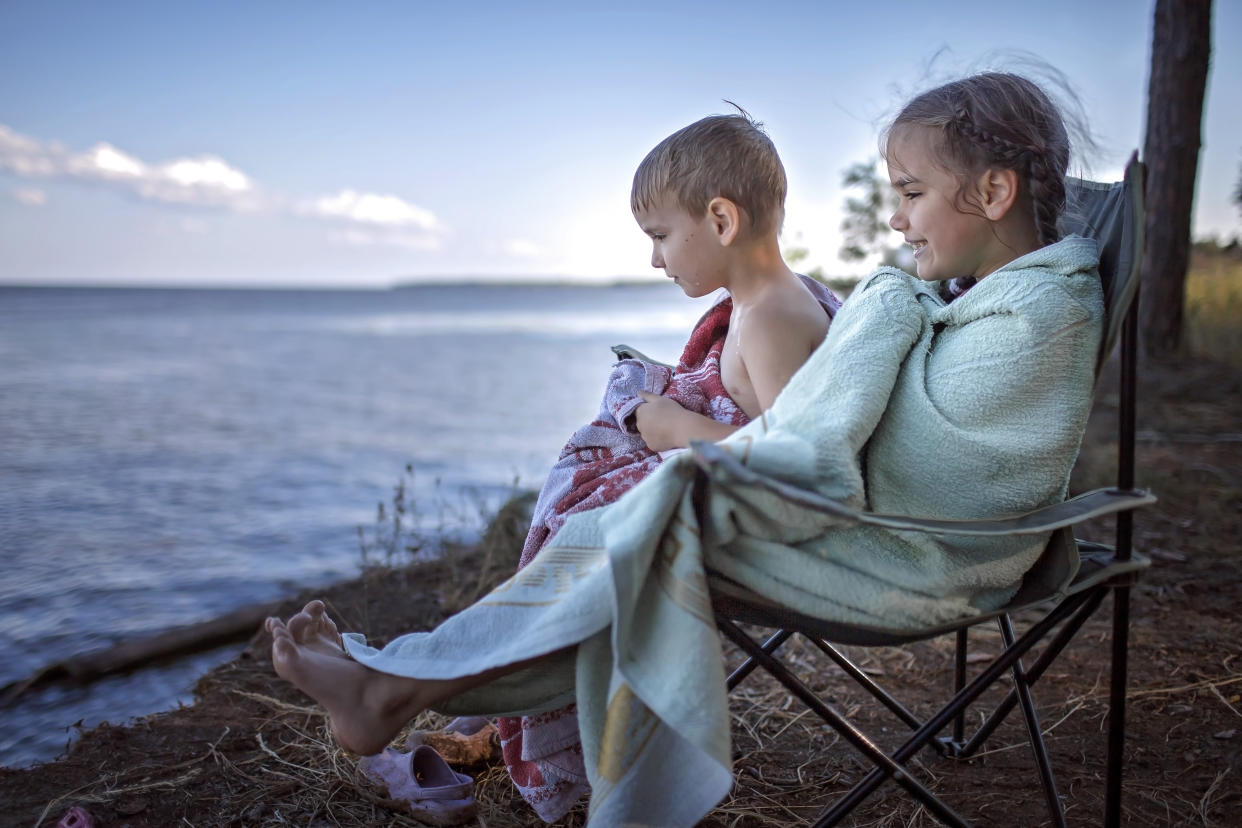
x=711 y=197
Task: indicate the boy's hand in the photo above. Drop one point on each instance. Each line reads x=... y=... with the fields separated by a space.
x=658 y=420
x=665 y=425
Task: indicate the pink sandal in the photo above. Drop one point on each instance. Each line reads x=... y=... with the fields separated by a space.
x=436 y=793
x=76 y=817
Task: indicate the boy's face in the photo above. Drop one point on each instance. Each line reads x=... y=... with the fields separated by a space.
x=687 y=248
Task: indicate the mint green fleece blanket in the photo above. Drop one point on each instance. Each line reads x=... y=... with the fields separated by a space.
x=911 y=406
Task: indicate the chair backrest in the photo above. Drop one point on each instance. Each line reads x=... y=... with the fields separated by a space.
x=1112 y=214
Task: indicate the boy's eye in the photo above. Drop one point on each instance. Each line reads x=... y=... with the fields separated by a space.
x=657 y=237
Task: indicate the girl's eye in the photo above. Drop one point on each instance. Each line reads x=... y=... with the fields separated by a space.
x=912 y=196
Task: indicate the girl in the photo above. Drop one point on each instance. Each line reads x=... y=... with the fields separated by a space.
x=962 y=393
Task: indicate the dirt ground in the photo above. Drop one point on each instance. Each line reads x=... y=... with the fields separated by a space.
x=253 y=752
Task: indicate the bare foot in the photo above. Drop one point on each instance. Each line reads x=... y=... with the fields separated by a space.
x=314 y=629
x=366 y=708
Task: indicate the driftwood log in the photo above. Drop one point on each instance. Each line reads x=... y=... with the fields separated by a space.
x=87 y=667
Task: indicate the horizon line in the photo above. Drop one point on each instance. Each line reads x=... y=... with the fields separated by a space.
x=474 y=280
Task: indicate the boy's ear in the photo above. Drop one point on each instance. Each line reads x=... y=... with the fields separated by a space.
x=726 y=219
x=998 y=190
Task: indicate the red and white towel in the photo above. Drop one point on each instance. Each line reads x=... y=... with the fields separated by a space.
x=602 y=461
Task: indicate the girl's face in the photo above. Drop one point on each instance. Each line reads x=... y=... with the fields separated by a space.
x=947 y=242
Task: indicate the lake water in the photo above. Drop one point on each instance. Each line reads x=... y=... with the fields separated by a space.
x=169 y=455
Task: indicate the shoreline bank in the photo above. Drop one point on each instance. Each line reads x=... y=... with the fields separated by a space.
x=252 y=751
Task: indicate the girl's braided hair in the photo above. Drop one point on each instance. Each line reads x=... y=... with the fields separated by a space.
x=997 y=119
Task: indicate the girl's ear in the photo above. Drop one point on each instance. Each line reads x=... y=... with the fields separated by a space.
x=998 y=190
x=726 y=219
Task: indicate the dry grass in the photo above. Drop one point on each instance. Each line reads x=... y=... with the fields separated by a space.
x=506 y=531
x=1214 y=304
x=277 y=764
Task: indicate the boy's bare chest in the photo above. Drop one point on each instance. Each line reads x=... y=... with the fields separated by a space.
x=735 y=378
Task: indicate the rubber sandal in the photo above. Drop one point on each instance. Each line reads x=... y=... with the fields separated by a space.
x=467 y=725
x=465 y=742
x=436 y=794
x=76 y=817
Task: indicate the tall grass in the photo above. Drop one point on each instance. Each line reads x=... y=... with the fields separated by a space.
x=406 y=530
x=1213 y=321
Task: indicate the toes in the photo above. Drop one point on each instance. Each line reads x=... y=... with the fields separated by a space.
x=301 y=626
x=319 y=623
x=280 y=632
x=284 y=650
x=328 y=627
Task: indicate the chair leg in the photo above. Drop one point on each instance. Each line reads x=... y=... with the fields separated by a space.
x=959 y=681
x=865 y=681
x=1033 y=729
x=1058 y=643
x=884 y=764
x=1127 y=410
x=1117 y=706
x=968 y=694
x=748 y=666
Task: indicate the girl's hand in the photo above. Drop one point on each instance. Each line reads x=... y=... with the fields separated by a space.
x=659 y=421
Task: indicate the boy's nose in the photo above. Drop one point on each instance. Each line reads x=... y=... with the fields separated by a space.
x=657 y=260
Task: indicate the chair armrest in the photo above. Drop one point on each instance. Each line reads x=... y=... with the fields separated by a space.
x=626 y=352
x=719 y=464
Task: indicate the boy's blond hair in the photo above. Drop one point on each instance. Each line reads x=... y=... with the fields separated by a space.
x=721 y=155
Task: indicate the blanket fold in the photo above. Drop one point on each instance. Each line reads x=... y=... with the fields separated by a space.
x=971 y=409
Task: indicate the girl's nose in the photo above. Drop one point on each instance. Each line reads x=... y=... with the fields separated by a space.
x=897 y=221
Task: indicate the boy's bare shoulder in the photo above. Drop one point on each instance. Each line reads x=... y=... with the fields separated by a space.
x=789 y=310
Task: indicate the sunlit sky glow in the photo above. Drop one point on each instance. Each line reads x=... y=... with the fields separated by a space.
x=332 y=144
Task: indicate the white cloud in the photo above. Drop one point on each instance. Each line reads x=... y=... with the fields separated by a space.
x=25 y=156
x=196 y=226
x=107 y=162
x=206 y=172
x=30 y=196
x=370 y=208
x=205 y=180
x=367 y=238
x=522 y=249
x=210 y=181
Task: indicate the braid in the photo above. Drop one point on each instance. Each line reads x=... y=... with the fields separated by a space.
x=1047 y=191
x=1048 y=199
x=995 y=148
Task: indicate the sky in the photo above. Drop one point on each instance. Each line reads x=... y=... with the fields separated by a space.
x=317 y=144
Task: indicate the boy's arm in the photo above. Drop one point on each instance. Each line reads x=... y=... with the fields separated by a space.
x=665 y=425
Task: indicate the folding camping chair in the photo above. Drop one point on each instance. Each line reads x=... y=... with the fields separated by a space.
x=1066 y=585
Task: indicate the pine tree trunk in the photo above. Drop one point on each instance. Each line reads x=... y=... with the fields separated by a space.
x=1181 y=45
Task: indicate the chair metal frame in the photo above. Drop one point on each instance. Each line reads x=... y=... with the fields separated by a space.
x=1075 y=597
